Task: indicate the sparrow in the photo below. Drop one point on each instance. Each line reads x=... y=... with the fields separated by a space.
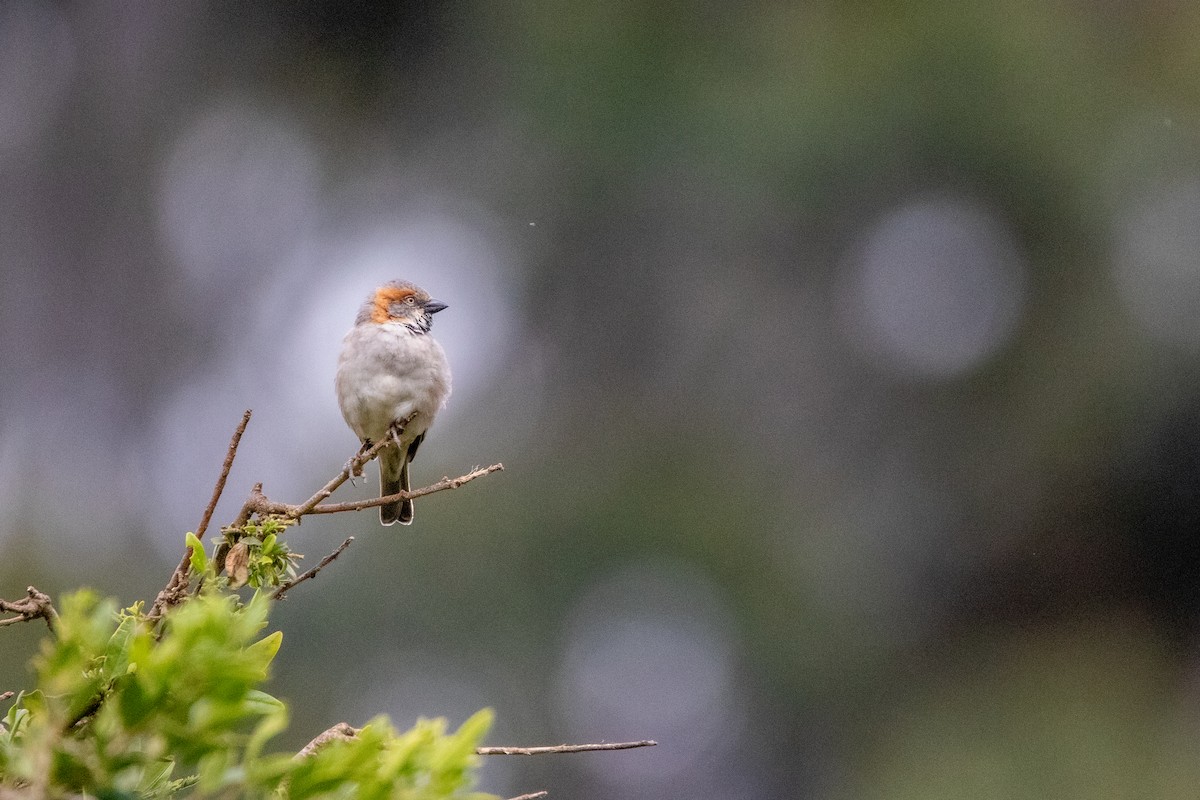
x=392 y=373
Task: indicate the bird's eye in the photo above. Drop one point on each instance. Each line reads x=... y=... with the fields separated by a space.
x=412 y=301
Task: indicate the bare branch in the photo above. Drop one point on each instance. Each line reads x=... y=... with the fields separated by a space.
x=561 y=748
x=259 y=503
x=531 y=796
x=341 y=732
x=176 y=588
x=312 y=573
x=34 y=605
x=440 y=486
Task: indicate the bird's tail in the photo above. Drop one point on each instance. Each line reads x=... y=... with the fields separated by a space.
x=393 y=477
x=406 y=506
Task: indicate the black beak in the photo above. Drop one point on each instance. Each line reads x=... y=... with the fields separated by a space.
x=433 y=306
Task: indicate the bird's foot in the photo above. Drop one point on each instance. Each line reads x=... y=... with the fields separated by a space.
x=397 y=429
x=354 y=467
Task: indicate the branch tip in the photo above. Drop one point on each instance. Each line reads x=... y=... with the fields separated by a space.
x=312 y=573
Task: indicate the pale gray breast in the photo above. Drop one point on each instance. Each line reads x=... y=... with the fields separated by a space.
x=391 y=373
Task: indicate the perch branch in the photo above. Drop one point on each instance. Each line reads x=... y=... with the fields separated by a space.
x=176 y=588
x=353 y=467
x=312 y=573
x=259 y=503
x=561 y=748
x=440 y=486
x=34 y=605
x=531 y=796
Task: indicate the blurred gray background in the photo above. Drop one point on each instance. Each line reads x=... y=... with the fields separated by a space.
x=844 y=359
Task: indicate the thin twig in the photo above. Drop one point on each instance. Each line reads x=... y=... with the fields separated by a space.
x=176 y=588
x=34 y=605
x=531 y=796
x=341 y=732
x=561 y=748
x=6 y=695
x=225 y=467
x=312 y=573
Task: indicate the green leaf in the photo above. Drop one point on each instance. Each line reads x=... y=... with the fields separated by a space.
x=476 y=727
x=187 y=700
x=135 y=704
x=156 y=777
x=68 y=769
x=116 y=653
x=199 y=562
x=263 y=651
x=215 y=770
x=24 y=707
x=259 y=702
x=274 y=722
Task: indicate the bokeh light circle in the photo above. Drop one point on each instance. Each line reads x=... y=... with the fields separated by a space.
x=936 y=286
x=238 y=193
x=651 y=648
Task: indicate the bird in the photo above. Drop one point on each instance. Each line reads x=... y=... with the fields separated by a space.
x=392 y=379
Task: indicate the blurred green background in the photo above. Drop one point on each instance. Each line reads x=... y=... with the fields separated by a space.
x=843 y=359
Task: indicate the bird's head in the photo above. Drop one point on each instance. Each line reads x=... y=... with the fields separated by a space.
x=401 y=302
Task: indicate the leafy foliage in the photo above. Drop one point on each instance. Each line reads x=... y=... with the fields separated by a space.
x=257 y=556
x=124 y=709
